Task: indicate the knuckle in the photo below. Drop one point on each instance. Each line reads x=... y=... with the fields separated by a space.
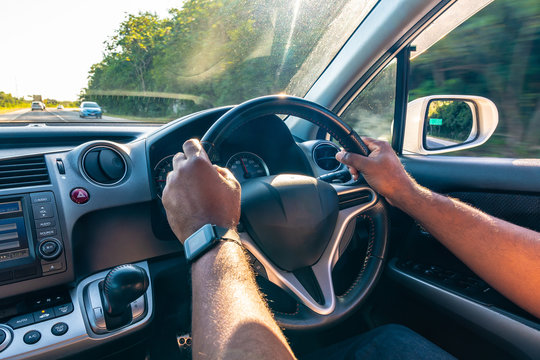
x=198 y=161
x=178 y=157
x=190 y=142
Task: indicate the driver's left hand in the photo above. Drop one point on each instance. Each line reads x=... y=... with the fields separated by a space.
x=199 y=193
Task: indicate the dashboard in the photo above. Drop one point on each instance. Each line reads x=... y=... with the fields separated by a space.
x=73 y=210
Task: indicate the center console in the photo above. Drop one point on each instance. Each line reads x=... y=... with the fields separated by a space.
x=57 y=323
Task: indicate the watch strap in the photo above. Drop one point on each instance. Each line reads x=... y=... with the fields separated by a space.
x=206 y=238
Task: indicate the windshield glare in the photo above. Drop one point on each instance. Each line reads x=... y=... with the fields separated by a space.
x=154 y=61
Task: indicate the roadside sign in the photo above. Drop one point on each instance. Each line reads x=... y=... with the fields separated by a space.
x=435 y=121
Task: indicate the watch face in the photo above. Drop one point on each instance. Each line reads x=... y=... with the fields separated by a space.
x=197 y=243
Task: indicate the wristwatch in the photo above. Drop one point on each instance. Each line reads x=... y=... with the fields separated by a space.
x=206 y=238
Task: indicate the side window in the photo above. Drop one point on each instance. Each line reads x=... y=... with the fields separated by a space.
x=372 y=112
x=494 y=54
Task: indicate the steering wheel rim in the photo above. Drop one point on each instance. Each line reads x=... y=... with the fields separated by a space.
x=361 y=201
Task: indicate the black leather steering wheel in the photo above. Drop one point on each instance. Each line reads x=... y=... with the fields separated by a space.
x=298 y=226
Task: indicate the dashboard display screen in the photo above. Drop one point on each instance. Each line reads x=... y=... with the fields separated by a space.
x=13 y=236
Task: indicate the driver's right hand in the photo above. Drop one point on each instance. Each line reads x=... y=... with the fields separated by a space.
x=382 y=169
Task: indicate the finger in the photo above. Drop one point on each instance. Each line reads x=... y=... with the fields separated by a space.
x=177 y=160
x=193 y=148
x=225 y=173
x=169 y=179
x=353 y=171
x=371 y=143
x=351 y=159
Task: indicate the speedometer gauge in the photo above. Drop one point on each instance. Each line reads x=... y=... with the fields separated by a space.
x=163 y=167
x=246 y=165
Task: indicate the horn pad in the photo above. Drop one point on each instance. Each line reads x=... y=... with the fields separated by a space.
x=290 y=217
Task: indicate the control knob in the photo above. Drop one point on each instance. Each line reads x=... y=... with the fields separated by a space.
x=49 y=248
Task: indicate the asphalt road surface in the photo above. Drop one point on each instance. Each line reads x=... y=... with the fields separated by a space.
x=52 y=115
x=436 y=143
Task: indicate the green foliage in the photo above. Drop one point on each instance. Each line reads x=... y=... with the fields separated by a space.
x=222 y=51
x=7 y=101
x=456 y=119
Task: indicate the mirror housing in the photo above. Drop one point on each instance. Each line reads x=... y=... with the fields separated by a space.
x=485 y=118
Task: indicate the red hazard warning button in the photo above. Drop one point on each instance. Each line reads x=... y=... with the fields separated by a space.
x=79 y=195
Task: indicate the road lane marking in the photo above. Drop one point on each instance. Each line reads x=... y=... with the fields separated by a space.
x=55 y=114
x=24 y=113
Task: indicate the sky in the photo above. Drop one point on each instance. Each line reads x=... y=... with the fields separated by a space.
x=47 y=47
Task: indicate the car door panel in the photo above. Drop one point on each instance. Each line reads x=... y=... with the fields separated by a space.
x=506 y=188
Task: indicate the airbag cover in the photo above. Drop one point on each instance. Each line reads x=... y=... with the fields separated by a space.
x=290 y=217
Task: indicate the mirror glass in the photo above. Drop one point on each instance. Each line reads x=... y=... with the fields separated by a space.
x=449 y=123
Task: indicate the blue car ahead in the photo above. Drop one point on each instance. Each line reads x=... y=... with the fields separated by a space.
x=90 y=108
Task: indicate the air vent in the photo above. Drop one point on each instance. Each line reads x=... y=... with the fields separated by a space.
x=104 y=165
x=28 y=171
x=325 y=156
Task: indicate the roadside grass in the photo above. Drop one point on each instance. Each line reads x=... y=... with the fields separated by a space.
x=4 y=110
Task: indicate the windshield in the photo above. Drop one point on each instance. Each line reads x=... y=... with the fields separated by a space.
x=90 y=105
x=154 y=61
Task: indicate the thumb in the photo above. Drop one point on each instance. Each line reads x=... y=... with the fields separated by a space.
x=351 y=159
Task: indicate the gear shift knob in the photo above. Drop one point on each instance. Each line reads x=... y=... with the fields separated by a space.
x=123 y=285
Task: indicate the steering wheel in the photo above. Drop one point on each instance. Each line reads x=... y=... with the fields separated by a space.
x=298 y=226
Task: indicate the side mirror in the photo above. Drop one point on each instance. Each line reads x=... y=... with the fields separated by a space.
x=444 y=123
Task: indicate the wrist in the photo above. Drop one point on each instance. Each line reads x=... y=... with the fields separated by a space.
x=226 y=260
x=406 y=195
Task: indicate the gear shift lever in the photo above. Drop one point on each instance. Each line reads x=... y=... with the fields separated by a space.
x=123 y=285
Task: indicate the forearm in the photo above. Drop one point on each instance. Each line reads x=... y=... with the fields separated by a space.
x=230 y=318
x=505 y=255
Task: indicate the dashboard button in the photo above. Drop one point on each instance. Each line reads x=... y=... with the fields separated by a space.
x=46 y=232
x=3 y=336
x=49 y=247
x=32 y=337
x=79 y=196
x=20 y=321
x=63 y=309
x=51 y=267
x=43 y=315
x=43 y=211
x=41 y=197
x=44 y=223
x=60 y=166
x=59 y=329
x=58 y=299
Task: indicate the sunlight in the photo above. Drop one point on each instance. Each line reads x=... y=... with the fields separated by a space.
x=296 y=9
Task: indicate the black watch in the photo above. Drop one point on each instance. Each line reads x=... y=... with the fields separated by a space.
x=206 y=238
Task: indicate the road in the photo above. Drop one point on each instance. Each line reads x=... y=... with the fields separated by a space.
x=51 y=115
x=437 y=143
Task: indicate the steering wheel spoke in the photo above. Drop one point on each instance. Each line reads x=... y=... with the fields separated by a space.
x=312 y=286
x=317 y=280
